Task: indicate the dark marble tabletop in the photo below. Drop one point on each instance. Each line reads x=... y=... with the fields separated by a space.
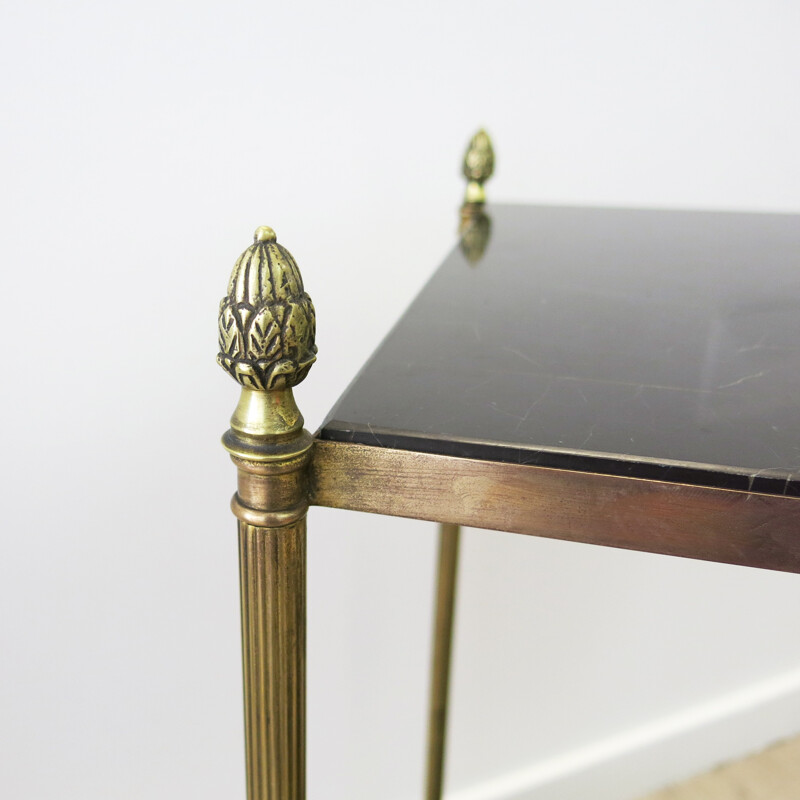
x=653 y=344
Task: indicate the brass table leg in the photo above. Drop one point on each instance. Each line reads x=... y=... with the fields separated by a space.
x=273 y=578
x=266 y=338
x=271 y=506
x=440 y=669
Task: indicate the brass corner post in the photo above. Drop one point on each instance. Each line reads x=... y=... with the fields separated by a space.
x=475 y=228
x=266 y=341
x=475 y=225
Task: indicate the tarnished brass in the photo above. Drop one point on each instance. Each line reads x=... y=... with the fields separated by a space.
x=449 y=536
x=732 y=527
x=266 y=340
x=478 y=167
x=272 y=413
x=273 y=582
x=266 y=321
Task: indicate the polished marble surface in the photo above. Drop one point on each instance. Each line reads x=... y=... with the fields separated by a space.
x=656 y=344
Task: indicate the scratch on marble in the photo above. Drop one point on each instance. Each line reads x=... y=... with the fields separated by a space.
x=591 y=433
x=789 y=478
x=374 y=435
x=493 y=405
x=742 y=380
x=535 y=403
x=758 y=346
x=522 y=355
x=474 y=386
x=752 y=478
x=770 y=472
x=640 y=387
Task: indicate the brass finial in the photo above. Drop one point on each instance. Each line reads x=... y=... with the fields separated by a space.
x=266 y=321
x=478 y=167
x=266 y=343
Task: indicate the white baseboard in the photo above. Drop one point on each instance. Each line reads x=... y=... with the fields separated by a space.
x=638 y=761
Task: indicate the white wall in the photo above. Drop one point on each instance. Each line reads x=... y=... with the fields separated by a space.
x=140 y=145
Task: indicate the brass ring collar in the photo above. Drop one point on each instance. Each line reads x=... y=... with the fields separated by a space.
x=267 y=519
x=259 y=449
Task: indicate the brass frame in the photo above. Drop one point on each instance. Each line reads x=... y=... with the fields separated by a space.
x=733 y=527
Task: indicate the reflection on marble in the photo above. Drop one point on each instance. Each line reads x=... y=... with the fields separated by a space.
x=657 y=344
x=475 y=230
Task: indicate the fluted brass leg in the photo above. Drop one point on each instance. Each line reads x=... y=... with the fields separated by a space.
x=271 y=505
x=440 y=669
x=273 y=583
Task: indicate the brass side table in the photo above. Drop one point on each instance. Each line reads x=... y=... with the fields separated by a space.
x=626 y=378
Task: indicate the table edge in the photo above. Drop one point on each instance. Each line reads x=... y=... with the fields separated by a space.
x=707 y=523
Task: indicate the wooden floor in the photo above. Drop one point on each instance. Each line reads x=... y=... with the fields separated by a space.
x=771 y=775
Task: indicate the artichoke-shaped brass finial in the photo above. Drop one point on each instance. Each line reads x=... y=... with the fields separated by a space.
x=478 y=166
x=266 y=321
